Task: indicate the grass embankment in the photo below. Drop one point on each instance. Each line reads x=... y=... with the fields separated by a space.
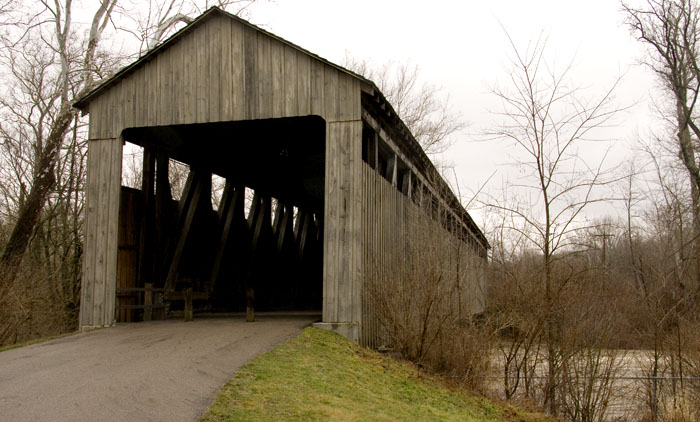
x=320 y=376
x=36 y=340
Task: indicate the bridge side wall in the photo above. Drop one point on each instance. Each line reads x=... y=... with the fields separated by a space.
x=398 y=240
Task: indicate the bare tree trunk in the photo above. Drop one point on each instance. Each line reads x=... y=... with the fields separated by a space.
x=43 y=176
x=671 y=30
x=44 y=180
x=538 y=123
x=687 y=156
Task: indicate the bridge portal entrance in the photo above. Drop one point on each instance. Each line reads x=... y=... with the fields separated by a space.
x=238 y=228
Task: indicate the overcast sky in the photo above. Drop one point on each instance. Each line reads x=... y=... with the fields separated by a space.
x=462 y=46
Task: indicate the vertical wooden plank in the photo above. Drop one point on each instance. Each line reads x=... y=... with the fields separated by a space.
x=201 y=74
x=330 y=274
x=168 y=98
x=188 y=105
x=112 y=241
x=158 y=90
x=372 y=242
x=150 y=101
x=375 y=241
x=317 y=88
x=93 y=119
x=89 y=258
x=290 y=82
x=342 y=133
x=264 y=78
x=356 y=162
x=352 y=216
x=303 y=84
x=278 y=77
x=137 y=96
x=189 y=312
x=128 y=102
x=363 y=322
x=92 y=126
x=344 y=223
x=101 y=120
x=101 y=233
x=357 y=100
x=330 y=94
x=365 y=309
x=213 y=67
x=372 y=233
x=143 y=100
x=238 y=71
x=176 y=98
x=345 y=97
x=116 y=115
x=251 y=72
x=372 y=182
x=225 y=70
x=104 y=117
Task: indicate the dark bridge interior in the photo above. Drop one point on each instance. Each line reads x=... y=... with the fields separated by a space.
x=259 y=245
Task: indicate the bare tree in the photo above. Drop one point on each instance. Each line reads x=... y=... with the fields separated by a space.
x=421 y=106
x=671 y=31
x=70 y=74
x=51 y=66
x=423 y=291
x=545 y=119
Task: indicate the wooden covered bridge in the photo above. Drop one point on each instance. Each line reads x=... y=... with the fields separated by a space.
x=331 y=175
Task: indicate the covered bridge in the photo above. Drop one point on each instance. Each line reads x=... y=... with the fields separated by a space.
x=322 y=178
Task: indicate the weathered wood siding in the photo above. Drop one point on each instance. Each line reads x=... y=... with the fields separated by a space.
x=225 y=70
x=342 y=242
x=101 y=233
x=389 y=220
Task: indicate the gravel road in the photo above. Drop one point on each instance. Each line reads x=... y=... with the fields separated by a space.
x=156 y=371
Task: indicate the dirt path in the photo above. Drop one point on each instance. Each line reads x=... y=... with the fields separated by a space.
x=157 y=371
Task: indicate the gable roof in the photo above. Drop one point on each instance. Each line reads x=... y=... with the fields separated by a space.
x=83 y=102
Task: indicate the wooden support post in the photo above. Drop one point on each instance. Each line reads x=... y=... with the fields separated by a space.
x=148 y=302
x=375 y=150
x=304 y=222
x=189 y=311
x=282 y=219
x=255 y=206
x=145 y=253
x=392 y=169
x=260 y=221
x=279 y=216
x=407 y=185
x=372 y=149
x=225 y=202
x=260 y=231
x=163 y=221
x=250 y=304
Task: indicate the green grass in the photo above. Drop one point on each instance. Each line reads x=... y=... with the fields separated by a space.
x=320 y=376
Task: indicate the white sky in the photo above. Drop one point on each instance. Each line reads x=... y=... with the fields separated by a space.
x=461 y=46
